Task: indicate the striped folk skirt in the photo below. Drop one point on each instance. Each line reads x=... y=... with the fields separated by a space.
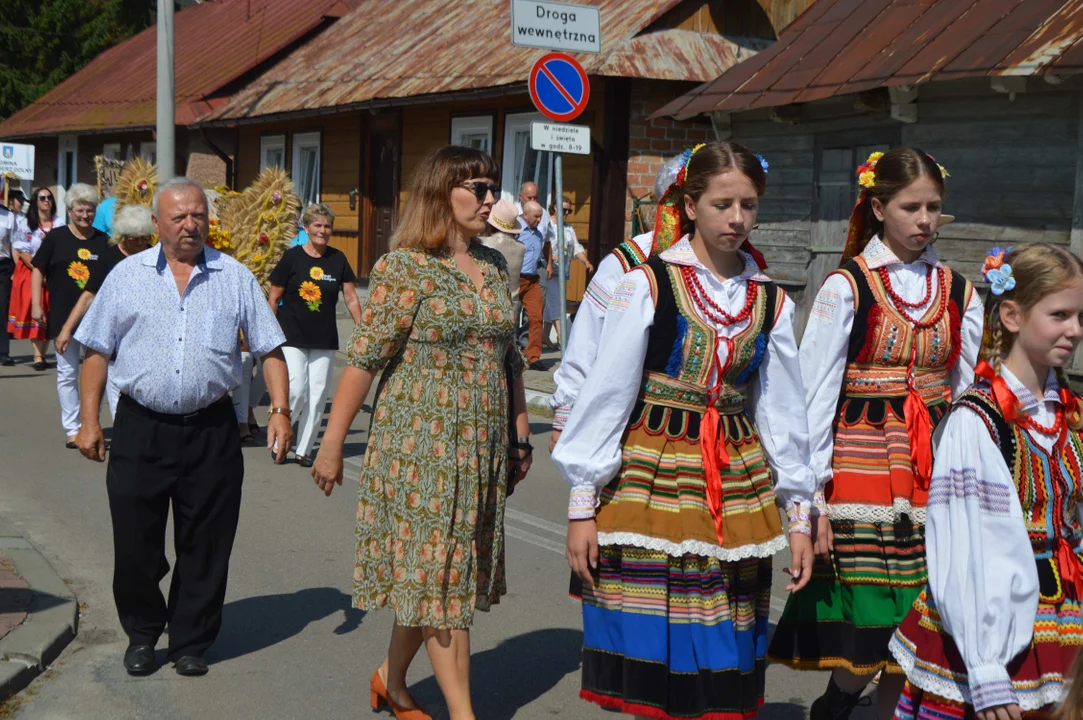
x=846 y=615
x=937 y=678
x=676 y=624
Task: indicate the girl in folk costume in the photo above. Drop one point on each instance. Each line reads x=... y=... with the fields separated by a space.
x=893 y=335
x=996 y=631
x=670 y=451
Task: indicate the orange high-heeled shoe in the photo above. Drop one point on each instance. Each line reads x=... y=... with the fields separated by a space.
x=380 y=698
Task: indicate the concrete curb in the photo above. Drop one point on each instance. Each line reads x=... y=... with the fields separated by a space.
x=537 y=403
x=52 y=620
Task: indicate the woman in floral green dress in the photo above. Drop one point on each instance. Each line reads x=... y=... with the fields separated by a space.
x=439 y=462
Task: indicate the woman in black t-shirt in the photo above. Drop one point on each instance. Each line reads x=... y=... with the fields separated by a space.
x=307 y=281
x=68 y=258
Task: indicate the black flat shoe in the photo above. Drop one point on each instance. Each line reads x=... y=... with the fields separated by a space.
x=538 y=365
x=305 y=462
x=40 y=366
x=6 y=361
x=139 y=660
x=191 y=666
x=70 y=445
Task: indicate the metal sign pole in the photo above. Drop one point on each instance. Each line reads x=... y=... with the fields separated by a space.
x=562 y=260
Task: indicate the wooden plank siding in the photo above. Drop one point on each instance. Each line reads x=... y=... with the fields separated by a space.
x=340 y=156
x=1012 y=168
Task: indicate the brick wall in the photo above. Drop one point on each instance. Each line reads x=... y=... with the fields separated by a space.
x=652 y=142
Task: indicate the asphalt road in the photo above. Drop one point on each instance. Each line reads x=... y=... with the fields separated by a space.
x=291 y=646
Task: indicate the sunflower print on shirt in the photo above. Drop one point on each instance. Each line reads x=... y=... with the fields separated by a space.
x=83 y=254
x=316 y=272
x=311 y=294
x=79 y=272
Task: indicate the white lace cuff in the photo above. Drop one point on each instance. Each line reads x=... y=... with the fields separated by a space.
x=581 y=503
x=991 y=685
x=819 y=504
x=798 y=515
x=560 y=417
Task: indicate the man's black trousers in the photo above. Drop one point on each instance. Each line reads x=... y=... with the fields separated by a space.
x=194 y=463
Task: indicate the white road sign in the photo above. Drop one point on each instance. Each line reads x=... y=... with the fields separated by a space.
x=17 y=159
x=554 y=137
x=556 y=26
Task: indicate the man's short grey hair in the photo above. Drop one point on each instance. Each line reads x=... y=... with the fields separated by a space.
x=131 y=221
x=532 y=206
x=81 y=193
x=315 y=210
x=176 y=184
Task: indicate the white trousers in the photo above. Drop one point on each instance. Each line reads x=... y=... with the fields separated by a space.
x=112 y=392
x=67 y=387
x=251 y=388
x=310 y=374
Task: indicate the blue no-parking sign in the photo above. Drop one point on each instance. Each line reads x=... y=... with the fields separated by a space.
x=559 y=87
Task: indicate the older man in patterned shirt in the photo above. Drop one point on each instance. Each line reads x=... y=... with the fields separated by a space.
x=172 y=315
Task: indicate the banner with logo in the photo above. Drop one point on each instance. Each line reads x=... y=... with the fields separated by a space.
x=17 y=160
x=108 y=175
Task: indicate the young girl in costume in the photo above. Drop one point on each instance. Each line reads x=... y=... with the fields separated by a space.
x=892 y=336
x=679 y=425
x=997 y=629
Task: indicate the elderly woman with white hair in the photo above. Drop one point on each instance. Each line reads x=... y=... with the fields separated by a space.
x=308 y=281
x=69 y=258
x=133 y=231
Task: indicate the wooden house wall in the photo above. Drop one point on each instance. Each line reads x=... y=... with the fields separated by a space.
x=340 y=150
x=1012 y=168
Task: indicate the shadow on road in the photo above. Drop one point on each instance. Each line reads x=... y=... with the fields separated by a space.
x=515 y=673
x=793 y=710
x=256 y=623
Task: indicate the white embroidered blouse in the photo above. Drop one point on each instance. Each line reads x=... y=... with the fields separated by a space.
x=827 y=336
x=982 y=573
x=587 y=331
x=588 y=454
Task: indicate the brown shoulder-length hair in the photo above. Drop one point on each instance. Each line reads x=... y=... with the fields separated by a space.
x=894 y=172
x=426 y=218
x=712 y=160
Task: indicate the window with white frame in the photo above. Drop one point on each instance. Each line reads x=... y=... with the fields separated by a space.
x=111 y=151
x=306 y=167
x=475 y=131
x=149 y=151
x=272 y=152
x=521 y=162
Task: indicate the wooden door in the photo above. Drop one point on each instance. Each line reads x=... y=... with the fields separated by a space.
x=383 y=154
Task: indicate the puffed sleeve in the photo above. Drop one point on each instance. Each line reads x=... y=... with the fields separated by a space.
x=823 y=364
x=981 y=568
x=388 y=317
x=582 y=349
x=783 y=432
x=588 y=454
x=972 y=325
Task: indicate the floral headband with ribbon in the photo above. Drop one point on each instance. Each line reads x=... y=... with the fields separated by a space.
x=997 y=272
x=667 y=219
x=866 y=179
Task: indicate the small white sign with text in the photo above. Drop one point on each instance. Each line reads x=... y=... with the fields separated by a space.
x=556 y=26
x=554 y=137
x=17 y=159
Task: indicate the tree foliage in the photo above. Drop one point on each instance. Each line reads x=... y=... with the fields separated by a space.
x=45 y=41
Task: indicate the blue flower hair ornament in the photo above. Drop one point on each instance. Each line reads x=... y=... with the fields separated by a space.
x=763 y=163
x=997 y=272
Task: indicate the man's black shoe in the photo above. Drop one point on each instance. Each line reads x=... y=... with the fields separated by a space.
x=139 y=660
x=6 y=360
x=538 y=365
x=191 y=666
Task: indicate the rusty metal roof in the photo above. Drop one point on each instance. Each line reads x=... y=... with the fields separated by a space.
x=215 y=42
x=389 y=49
x=839 y=47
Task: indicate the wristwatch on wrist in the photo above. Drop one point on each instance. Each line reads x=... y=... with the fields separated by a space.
x=278 y=411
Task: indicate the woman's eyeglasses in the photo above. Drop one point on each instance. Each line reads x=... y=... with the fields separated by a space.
x=45 y=197
x=482 y=189
x=566 y=210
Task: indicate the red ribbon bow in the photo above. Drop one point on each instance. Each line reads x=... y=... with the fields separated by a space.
x=1005 y=398
x=713 y=449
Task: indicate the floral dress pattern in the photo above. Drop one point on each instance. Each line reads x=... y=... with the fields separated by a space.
x=430 y=511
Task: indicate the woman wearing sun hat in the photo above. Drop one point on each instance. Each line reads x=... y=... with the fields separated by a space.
x=504 y=222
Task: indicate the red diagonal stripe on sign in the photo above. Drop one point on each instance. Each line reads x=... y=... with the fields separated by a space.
x=559 y=87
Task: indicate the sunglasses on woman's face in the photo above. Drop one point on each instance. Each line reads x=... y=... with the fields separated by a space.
x=47 y=198
x=566 y=210
x=482 y=189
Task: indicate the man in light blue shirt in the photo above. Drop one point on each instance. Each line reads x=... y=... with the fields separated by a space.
x=530 y=292
x=172 y=314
